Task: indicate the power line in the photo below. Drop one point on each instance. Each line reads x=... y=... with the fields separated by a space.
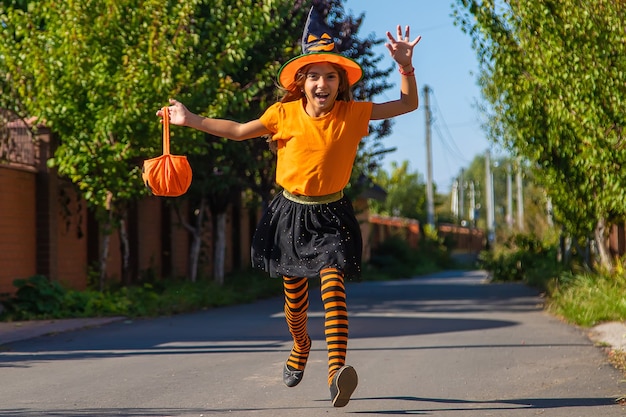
x=448 y=142
x=447 y=162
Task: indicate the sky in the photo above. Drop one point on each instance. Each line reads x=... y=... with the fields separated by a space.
x=443 y=60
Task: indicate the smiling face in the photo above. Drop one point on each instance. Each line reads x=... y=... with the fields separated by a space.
x=321 y=86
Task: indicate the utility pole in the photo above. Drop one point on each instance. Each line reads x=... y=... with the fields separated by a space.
x=430 y=199
x=491 y=223
x=454 y=203
x=472 y=211
x=520 y=197
x=509 y=196
x=462 y=196
x=472 y=215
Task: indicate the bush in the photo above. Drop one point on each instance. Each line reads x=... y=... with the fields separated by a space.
x=523 y=258
x=38 y=298
x=35 y=297
x=394 y=258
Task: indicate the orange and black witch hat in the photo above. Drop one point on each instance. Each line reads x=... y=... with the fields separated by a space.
x=318 y=46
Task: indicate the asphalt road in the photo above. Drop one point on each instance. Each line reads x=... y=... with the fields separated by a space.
x=445 y=345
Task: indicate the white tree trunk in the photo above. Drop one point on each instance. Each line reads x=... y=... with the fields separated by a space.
x=196 y=242
x=125 y=252
x=194 y=257
x=220 y=248
x=104 y=256
x=601 y=243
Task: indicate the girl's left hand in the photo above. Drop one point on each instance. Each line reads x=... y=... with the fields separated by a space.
x=401 y=49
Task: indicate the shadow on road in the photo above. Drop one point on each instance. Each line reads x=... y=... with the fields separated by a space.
x=450 y=404
x=429 y=405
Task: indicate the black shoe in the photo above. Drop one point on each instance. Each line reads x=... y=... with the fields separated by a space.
x=292 y=378
x=343 y=385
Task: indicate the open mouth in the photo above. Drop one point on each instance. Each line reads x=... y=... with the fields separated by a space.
x=322 y=97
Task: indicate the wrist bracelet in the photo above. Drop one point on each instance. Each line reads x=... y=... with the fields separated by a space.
x=407 y=73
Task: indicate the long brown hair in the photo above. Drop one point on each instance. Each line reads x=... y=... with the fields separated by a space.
x=295 y=90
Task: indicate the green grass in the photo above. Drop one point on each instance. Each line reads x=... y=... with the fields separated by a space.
x=588 y=299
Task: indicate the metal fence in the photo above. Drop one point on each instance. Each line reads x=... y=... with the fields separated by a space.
x=17 y=144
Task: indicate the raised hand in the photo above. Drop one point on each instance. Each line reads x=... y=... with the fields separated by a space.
x=401 y=48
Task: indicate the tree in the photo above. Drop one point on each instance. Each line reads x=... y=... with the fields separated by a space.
x=406 y=193
x=95 y=72
x=554 y=78
x=92 y=71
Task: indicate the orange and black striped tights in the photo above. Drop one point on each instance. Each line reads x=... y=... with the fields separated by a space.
x=335 y=319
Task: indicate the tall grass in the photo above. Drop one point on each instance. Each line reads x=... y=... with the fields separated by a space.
x=587 y=299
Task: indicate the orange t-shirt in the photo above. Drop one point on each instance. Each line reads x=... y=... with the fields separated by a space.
x=316 y=154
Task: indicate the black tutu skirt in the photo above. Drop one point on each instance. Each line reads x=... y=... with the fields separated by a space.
x=299 y=240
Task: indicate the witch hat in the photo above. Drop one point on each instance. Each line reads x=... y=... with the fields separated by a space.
x=318 y=46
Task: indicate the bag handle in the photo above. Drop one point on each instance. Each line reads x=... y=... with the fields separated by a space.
x=166 y=130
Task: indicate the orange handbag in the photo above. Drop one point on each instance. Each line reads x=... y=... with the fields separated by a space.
x=168 y=175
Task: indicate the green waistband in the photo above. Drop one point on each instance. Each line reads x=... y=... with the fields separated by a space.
x=319 y=199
